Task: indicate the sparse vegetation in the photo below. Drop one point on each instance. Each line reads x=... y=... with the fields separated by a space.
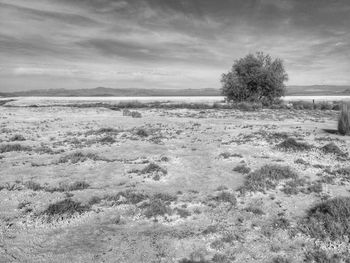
x=329 y=219
x=77 y=157
x=267 y=177
x=157 y=207
x=14 y=148
x=242 y=168
x=291 y=144
x=332 y=148
x=225 y=196
x=65 y=208
x=17 y=137
x=344 y=120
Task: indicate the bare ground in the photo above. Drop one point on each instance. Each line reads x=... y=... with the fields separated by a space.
x=161 y=188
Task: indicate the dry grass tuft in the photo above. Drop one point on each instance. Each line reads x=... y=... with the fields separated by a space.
x=267 y=177
x=344 y=120
x=291 y=144
x=329 y=220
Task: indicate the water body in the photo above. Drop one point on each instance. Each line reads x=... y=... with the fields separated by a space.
x=173 y=99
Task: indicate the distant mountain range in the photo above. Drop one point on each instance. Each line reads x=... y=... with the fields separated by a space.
x=316 y=90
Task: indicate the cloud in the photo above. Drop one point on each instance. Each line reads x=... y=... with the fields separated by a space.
x=157 y=43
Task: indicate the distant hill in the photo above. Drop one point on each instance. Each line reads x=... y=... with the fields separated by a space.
x=101 y=91
x=316 y=90
x=319 y=90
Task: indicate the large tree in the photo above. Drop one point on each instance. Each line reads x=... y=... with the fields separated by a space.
x=255 y=78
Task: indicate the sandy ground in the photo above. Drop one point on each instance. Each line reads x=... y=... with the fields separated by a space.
x=195 y=151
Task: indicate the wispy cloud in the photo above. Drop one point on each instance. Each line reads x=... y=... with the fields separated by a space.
x=157 y=43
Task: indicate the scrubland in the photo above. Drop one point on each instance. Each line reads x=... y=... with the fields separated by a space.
x=97 y=184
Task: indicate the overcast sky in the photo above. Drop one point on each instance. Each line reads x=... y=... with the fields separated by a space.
x=167 y=43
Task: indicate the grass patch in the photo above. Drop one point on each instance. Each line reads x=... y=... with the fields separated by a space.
x=157 y=207
x=344 y=120
x=65 y=208
x=291 y=144
x=254 y=210
x=242 y=168
x=107 y=140
x=142 y=133
x=320 y=256
x=226 y=197
x=77 y=157
x=329 y=220
x=332 y=148
x=101 y=131
x=17 y=137
x=267 y=177
x=151 y=170
x=4 y=148
x=280 y=259
x=63 y=187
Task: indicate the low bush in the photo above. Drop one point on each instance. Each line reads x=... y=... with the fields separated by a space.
x=254 y=210
x=107 y=140
x=17 y=137
x=242 y=168
x=328 y=220
x=157 y=207
x=33 y=186
x=14 y=148
x=303 y=105
x=280 y=259
x=77 y=157
x=267 y=177
x=151 y=168
x=320 y=256
x=332 y=148
x=344 y=120
x=142 y=132
x=65 y=208
x=136 y=114
x=226 y=197
x=291 y=144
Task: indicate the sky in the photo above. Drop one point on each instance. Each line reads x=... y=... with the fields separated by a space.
x=158 y=44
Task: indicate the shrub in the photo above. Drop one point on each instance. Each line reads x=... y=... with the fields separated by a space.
x=157 y=207
x=329 y=219
x=280 y=223
x=280 y=259
x=107 y=139
x=14 y=148
x=225 y=197
x=77 y=185
x=320 y=256
x=17 y=137
x=142 y=133
x=77 y=157
x=184 y=213
x=303 y=105
x=267 y=177
x=255 y=78
x=293 y=145
x=344 y=121
x=324 y=105
x=66 y=207
x=151 y=168
x=136 y=114
x=243 y=169
x=33 y=186
x=130 y=197
x=254 y=210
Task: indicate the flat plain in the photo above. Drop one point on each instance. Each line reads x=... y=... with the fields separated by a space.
x=172 y=185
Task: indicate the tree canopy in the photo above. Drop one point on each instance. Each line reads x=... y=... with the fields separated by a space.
x=255 y=78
